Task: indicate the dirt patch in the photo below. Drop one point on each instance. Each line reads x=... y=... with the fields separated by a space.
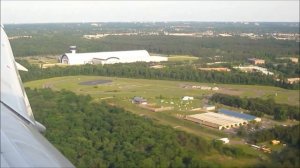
x=47 y=85
x=153 y=107
x=230 y=91
x=96 y=82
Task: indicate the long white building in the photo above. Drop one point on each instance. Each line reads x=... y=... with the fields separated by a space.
x=74 y=58
x=216 y=120
x=254 y=68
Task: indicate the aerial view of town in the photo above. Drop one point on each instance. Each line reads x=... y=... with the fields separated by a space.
x=163 y=93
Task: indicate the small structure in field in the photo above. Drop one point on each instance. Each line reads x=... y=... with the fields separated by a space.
x=215 y=88
x=209 y=107
x=275 y=142
x=293 y=80
x=139 y=100
x=224 y=140
x=294 y=59
x=187 y=98
x=205 y=88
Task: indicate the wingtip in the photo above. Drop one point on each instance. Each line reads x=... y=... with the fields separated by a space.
x=21 y=67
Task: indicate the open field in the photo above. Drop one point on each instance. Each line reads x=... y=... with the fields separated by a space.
x=120 y=91
x=231 y=162
x=41 y=59
x=182 y=58
x=163 y=92
x=44 y=61
x=282 y=96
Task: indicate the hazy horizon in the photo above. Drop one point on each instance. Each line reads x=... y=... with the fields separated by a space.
x=28 y=12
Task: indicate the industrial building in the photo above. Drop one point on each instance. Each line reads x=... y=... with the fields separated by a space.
x=293 y=80
x=256 y=61
x=252 y=68
x=74 y=58
x=239 y=115
x=294 y=59
x=216 y=120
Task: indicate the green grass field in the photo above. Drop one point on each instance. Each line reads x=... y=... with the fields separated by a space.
x=161 y=93
x=178 y=58
x=120 y=91
x=170 y=91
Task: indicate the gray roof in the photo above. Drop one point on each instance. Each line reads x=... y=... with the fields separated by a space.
x=139 y=99
x=237 y=114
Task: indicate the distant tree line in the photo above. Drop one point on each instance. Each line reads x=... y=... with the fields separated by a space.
x=259 y=107
x=56 y=39
x=94 y=134
x=142 y=70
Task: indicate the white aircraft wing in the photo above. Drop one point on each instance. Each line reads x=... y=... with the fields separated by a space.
x=22 y=144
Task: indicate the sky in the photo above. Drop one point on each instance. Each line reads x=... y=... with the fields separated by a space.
x=143 y=11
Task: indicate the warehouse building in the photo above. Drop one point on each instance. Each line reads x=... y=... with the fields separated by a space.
x=252 y=68
x=74 y=58
x=293 y=80
x=256 y=61
x=217 y=120
x=239 y=115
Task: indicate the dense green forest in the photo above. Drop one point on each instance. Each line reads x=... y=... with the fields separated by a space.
x=142 y=70
x=55 y=39
x=232 y=49
x=259 y=107
x=94 y=134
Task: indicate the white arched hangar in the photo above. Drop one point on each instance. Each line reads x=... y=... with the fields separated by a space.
x=74 y=58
